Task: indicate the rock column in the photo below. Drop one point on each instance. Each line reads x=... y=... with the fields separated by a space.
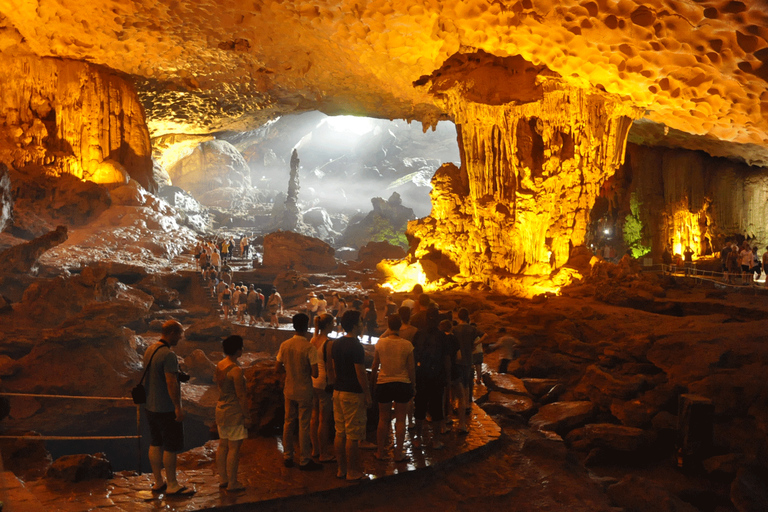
x=529 y=177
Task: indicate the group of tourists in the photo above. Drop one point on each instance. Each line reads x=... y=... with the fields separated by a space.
x=422 y=368
x=213 y=253
x=742 y=260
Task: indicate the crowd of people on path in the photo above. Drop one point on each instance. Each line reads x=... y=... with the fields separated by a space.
x=742 y=261
x=214 y=253
x=424 y=368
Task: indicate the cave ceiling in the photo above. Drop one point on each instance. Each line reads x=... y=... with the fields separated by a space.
x=699 y=69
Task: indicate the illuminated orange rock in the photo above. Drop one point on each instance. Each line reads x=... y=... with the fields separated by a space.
x=690 y=198
x=534 y=158
x=65 y=116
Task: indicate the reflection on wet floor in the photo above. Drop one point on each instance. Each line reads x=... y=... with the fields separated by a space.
x=261 y=470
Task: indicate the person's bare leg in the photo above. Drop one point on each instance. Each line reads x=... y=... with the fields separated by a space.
x=233 y=460
x=169 y=461
x=463 y=405
x=221 y=462
x=382 y=432
x=156 y=461
x=400 y=410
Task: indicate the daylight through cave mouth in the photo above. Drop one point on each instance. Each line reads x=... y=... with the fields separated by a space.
x=345 y=162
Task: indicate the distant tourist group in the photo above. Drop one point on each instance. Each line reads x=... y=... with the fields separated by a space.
x=424 y=367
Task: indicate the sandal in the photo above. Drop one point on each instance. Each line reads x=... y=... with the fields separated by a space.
x=181 y=491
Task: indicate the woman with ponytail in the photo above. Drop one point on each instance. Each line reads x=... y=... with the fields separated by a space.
x=322 y=403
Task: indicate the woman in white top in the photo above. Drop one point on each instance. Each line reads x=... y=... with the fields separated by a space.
x=394 y=374
x=322 y=400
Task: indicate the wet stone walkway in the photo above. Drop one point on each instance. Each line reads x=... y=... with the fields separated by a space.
x=261 y=470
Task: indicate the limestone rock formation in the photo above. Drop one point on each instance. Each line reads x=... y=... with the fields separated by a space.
x=6 y=201
x=66 y=116
x=698 y=68
x=291 y=213
x=533 y=164
x=76 y=468
x=41 y=200
x=687 y=198
x=385 y=223
x=288 y=250
x=23 y=258
x=212 y=165
x=372 y=253
x=562 y=416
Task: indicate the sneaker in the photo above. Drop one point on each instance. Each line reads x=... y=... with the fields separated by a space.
x=288 y=463
x=311 y=466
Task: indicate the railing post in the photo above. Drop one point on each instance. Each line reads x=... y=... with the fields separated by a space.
x=138 y=436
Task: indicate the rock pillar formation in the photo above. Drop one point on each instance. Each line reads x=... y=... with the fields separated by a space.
x=535 y=151
x=63 y=116
x=292 y=212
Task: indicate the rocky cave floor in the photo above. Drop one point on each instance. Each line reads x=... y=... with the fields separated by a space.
x=588 y=412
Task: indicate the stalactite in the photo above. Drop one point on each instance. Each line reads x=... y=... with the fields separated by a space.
x=533 y=172
x=64 y=116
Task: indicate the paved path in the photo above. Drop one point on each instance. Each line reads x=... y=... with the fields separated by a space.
x=261 y=470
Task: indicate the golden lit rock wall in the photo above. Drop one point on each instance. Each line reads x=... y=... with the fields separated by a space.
x=530 y=176
x=689 y=192
x=698 y=67
x=64 y=116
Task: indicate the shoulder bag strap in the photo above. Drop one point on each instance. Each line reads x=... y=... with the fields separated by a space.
x=150 y=362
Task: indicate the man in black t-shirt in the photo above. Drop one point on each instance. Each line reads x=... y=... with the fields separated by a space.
x=351 y=397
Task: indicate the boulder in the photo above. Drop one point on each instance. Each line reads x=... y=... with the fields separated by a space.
x=636 y=494
x=264 y=387
x=727 y=464
x=602 y=388
x=561 y=417
x=293 y=288
x=617 y=437
x=539 y=387
x=505 y=383
x=387 y=221
x=634 y=413
x=23 y=258
x=288 y=250
x=199 y=367
x=213 y=164
x=131 y=194
x=211 y=328
x=542 y=363
x=76 y=468
x=749 y=490
x=373 y=252
x=507 y=405
x=26 y=458
x=322 y=224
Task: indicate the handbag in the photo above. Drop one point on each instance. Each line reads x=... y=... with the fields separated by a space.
x=138 y=393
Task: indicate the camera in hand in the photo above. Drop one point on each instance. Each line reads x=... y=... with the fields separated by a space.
x=183 y=376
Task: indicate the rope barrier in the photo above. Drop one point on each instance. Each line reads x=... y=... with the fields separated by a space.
x=87 y=438
x=68 y=438
x=118 y=398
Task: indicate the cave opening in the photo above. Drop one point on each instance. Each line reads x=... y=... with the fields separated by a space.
x=345 y=163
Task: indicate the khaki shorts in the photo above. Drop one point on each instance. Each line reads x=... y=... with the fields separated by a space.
x=349 y=414
x=233 y=433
